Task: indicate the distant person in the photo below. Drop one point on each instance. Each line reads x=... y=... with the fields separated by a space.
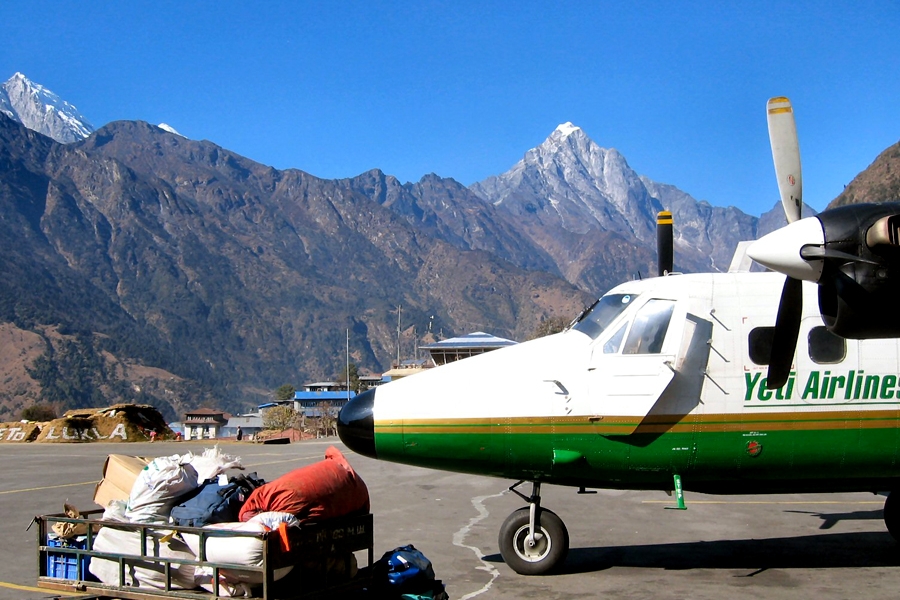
x=152 y=435
x=240 y=434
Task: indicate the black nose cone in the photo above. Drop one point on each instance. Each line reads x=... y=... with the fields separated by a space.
x=356 y=424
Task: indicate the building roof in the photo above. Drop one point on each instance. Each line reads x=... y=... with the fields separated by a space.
x=324 y=384
x=204 y=411
x=403 y=372
x=478 y=339
x=246 y=422
x=205 y=416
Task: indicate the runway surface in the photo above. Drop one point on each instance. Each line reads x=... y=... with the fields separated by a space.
x=623 y=544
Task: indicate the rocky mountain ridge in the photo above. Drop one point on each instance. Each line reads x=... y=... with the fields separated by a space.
x=41 y=110
x=880 y=182
x=157 y=257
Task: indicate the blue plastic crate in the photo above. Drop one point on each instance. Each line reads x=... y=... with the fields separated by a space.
x=64 y=565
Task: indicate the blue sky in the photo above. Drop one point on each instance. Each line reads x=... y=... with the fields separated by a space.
x=464 y=89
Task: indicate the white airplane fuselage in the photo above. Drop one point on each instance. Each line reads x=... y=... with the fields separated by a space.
x=670 y=382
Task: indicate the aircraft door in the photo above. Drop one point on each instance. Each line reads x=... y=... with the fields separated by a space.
x=631 y=368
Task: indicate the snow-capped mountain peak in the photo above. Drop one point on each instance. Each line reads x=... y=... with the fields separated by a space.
x=37 y=108
x=566 y=129
x=571 y=184
x=169 y=128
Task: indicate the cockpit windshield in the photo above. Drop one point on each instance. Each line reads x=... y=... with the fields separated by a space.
x=604 y=311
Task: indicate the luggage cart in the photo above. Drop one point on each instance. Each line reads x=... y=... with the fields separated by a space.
x=312 y=549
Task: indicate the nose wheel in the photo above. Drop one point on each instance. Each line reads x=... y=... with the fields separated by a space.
x=533 y=541
x=892 y=514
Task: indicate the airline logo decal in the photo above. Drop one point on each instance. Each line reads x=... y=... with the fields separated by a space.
x=825 y=386
x=754 y=448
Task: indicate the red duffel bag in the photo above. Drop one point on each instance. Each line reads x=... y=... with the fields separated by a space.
x=322 y=490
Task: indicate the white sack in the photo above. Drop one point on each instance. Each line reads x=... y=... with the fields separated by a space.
x=237 y=550
x=274 y=519
x=162 y=482
x=227 y=587
x=141 y=572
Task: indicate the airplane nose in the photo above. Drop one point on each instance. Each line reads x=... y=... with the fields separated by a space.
x=356 y=424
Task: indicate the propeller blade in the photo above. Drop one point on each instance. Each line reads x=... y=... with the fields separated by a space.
x=828 y=302
x=664 y=250
x=787 y=328
x=786 y=154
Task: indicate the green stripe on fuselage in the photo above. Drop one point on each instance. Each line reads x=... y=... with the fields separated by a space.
x=753 y=453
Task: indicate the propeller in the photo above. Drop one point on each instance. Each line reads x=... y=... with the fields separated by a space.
x=786 y=155
x=852 y=252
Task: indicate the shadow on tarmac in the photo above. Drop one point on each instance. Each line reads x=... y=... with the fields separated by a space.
x=822 y=551
x=829 y=520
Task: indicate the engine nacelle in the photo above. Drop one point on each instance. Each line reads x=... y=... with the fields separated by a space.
x=859 y=289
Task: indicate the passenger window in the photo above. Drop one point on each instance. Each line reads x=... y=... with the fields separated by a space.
x=612 y=344
x=649 y=329
x=760 y=344
x=826 y=347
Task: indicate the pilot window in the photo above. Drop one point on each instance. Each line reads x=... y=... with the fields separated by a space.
x=612 y=344
x=649 y=329
x=826 y=347
x=604 y=311
x=760 y=344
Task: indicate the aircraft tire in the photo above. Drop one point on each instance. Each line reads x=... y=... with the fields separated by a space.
x=892 y=514
x=549 y=551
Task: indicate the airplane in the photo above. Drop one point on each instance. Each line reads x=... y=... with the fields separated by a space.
x=664 y=384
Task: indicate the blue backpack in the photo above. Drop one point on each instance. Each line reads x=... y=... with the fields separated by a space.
x=214 y=503
x=405 y=572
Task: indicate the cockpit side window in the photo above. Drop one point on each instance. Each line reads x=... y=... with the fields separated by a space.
x=611 y=346
x=649 y=329
x=595 y=320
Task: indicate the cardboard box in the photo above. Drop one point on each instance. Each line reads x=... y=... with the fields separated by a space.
x=119 y=475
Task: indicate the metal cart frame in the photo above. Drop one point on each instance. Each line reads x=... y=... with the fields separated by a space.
x=310 y=544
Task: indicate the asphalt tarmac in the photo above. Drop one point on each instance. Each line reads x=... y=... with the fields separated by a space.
x=623 y=544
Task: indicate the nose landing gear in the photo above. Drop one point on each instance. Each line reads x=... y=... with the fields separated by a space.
x=533 y=541
x=892 y=514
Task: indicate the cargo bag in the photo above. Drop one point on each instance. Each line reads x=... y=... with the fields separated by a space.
x=405 y=572
x=324 y=490
x=213 y=502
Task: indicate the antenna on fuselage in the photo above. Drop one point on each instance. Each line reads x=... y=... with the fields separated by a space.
x=664 y=252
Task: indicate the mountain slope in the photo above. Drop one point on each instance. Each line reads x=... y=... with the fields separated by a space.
x=447 y=210
x=880 y=182
x=229 y=275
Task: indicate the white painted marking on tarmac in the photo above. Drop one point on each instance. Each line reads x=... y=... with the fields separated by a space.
x=460 y=535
